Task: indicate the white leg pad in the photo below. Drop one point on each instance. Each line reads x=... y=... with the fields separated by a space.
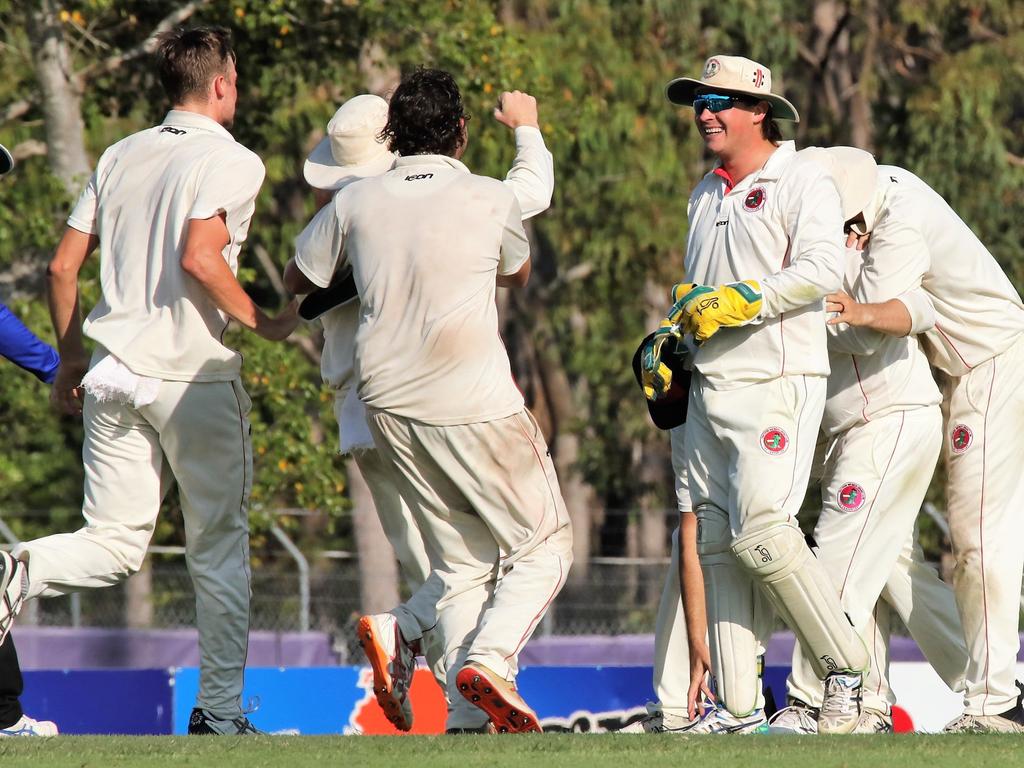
x=735 y=614
x=803 y=595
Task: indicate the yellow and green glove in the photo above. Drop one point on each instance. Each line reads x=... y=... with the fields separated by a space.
x=655 y=375
x=704 y=310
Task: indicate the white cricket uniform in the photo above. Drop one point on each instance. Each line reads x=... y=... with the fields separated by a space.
x=532 y=181
x=438 y=386
x=978 y=342
x=883 y=426
x=777 y=226
x=756 y=402
x=160 y=323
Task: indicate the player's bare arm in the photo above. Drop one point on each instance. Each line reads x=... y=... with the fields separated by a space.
x=517 y=279
x=295 y=282
x=691 y=588
x=62 y=280
x=203 y=259
x=889 y=317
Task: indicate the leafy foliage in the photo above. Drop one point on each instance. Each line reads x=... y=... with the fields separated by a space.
x=936 y=86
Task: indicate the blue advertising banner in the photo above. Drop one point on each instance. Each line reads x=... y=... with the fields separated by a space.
x=329 y=700
x=134 y=701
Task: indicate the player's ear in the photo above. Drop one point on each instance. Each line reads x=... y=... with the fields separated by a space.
x=760 y=112
x=219 y=86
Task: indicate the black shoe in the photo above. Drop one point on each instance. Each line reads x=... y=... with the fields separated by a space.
x=202 y=723
x=1016 y=712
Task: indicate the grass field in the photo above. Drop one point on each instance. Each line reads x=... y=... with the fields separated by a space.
x=569 y=750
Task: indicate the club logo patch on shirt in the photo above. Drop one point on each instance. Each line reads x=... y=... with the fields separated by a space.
x=711 y=68
x=754 y=201
x=961 y=438
x=774 y=441
x=850 y=497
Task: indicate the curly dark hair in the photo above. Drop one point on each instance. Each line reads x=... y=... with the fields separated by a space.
x=425 y=114
x=190 y=58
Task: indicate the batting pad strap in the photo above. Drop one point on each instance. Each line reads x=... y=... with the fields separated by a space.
x=803 y=595
x=732 y=603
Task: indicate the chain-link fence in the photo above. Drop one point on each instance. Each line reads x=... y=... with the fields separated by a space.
x=294 y=590
x=161 y=596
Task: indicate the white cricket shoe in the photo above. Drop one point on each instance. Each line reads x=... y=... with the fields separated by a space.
x=13 y=588
x=984 y=724
x=795 y=720
x=393 y=663
x=840 y=708
x=26 y=726
x=874 y=721
x=718 y=720
x=658 y=721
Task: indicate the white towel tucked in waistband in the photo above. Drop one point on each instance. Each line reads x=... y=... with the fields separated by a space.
x=111 y=381
x=352 y=426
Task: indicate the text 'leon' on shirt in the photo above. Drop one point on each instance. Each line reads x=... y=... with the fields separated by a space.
x=146 y=188
x=426 y=242
x=781 y=226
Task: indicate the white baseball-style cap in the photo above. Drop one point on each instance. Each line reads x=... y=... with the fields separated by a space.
x=351 y=149
x=856 y=175
x=732 y=74
x=6 y=160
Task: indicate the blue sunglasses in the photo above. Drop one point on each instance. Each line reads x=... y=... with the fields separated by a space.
x=716 y=102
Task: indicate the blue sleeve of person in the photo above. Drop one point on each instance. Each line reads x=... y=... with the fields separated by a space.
x=22 y=347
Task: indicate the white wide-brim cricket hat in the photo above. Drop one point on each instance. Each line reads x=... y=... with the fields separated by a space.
x=732 y=75
x=6 y=160
x=352 y=148
x=856 y=176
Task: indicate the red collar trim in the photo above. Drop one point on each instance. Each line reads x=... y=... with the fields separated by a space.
x=729 y=183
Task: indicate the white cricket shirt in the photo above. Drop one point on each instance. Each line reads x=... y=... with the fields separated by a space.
x=874 y=374
x=531 y=179
x=152 y=316
x=778 y=226
x=426 y=242
x=978 y=312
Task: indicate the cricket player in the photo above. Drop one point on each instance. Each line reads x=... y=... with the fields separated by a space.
x=19 y=345
x=883 y=428
x=162 y=400
x=443 y=409
x=351 y=150
x=671 y=678
x=977 y=342
x=761 y=256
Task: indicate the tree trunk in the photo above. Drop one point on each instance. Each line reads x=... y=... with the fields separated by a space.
x=61 y=95
x=579 y=496
x=138 y=603
x=380 y=76
x=378 y=571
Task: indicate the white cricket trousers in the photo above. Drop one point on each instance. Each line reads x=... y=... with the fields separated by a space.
x=488 y=505
x=399 y=524
x=875 y=478
x=196 y=434
x=984 y=447
x=671 y=651
x=749 y=456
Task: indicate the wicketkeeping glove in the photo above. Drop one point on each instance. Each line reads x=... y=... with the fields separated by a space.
x=682 y=293
x=660 y=368
x=655 y=373
x=705 y=311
